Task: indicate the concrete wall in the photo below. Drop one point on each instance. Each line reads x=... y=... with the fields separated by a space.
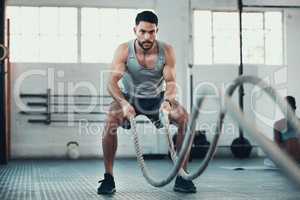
x=30 y=140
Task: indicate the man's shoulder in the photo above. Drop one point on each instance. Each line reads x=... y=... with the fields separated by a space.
x=122 y=50
x=166 y=45
x=123 y=46
x=168 y=48
x=280 y=124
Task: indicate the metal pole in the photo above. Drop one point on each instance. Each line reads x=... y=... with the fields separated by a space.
x=3 y=143
x=42 y=104
x=45 y=95
x=241 y=66
x=49 y=106
x=191 y=87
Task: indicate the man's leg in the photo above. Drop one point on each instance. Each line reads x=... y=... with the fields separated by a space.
x=109 y=145
x=109 y=137
x=180 y=117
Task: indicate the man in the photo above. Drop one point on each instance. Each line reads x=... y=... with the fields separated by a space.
x=285 y=135
x=139 y=70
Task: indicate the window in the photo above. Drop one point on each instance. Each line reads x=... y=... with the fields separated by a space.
x=225 y=37
x=103 y=30
x=43 y=34
x=216 y=38
x=50 y=34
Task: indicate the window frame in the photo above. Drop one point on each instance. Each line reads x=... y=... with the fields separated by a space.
x=79 y=48
x=212 y=41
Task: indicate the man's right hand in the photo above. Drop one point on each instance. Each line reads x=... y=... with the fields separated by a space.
x=128 y=110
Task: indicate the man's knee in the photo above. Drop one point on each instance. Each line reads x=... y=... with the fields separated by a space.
x=180 y=117
x=115 y=114
x=112 y=123
x=183 y=116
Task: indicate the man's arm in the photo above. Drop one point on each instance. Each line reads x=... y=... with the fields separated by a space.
x=117 y=72
x=169 y=73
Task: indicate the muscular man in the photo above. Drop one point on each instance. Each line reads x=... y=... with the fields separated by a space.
x=285 y=135
x=139 y=69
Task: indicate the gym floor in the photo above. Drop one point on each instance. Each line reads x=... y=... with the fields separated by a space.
x=64 y=179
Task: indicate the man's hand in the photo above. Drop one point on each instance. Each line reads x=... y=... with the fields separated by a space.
x=128 y=110
x=165 y=107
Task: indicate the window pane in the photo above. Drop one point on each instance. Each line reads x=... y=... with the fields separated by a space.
x=29 y=21
x=14 y=14
x=68 y=21
x=43 y=34
x=252 y=21
x=15 y=48
x=253 y=47
x=126 y=24
x=29 y=46
x=262 y=37
x=90 y=21
x=91 y=49
x=202 y=51
x=226 y=40
x=101 y=37
x=108 y=45
x=67 y=49
x=49 y=22
x=253 y=38
x=49 y=49
x=202 y=37
x=109 y=21
x=273 y=20
x=274 y=38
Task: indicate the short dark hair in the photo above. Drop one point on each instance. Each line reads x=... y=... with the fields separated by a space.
x=146 y=16
x=291 y=101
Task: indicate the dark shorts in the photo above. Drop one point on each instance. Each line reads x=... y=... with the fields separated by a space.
x=145 y=106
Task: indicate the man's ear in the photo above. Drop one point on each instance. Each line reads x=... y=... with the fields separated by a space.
x=156 y=30
x=134 y=30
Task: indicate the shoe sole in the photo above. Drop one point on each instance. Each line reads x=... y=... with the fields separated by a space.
x=107 y=193
x=176 y=189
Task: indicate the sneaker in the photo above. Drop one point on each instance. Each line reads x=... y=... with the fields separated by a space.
x=184 y=186
x=107 y=185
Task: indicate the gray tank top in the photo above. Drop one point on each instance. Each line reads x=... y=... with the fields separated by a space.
x=139 y=81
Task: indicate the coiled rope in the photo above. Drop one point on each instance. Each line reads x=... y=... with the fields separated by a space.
x=282 y=160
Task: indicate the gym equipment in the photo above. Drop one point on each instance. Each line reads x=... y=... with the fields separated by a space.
x=284 y=162
x=241 y=147
x=48 y=122
x=200 y=145
x=4 y=52
x=73 y=150
x=59 y=112
x=49 y=103
x=46 y=95
x=42 y=104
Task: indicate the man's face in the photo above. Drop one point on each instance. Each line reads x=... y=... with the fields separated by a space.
x=146 y=34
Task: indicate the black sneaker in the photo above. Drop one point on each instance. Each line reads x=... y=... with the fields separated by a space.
x=107 y=185
x=184 y=186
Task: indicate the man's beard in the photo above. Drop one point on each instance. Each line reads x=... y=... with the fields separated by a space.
x=141 y=44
